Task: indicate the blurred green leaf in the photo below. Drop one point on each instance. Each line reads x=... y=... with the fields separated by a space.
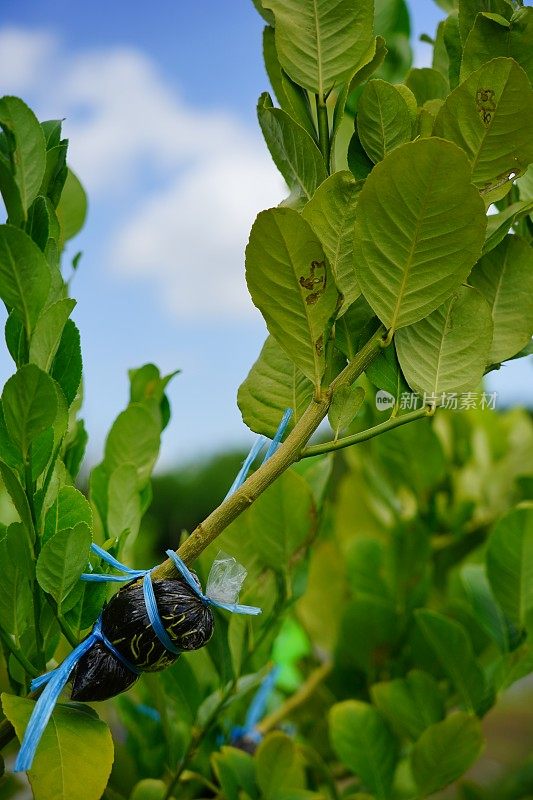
x=409 y=704
x=510 y=564
x=483 y=604
x=278 y=766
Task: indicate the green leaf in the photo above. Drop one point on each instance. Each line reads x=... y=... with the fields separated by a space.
x=331 y=214
x=48 y=331
x=75 y=754
x=452 y=647
x=69 y=508
x=124 y=503
x=285 y=518
x=235 y=771
x=409 y=704
x=278 y=766
x=359 y=163
x=30 y=405
x=24 y=275
x=273 y=384
x=498 y=225
x=8 y=450
x=292 y=149
x=427 y=84
x=67 y=366
x=368 y=69
x=16 y=597
x=445 y=751
x=383 y=119
x=510 y=564
x=385 y=373
x=452 y=42
x=149 y=789
x=490 y=116
x=364 y=743
x=355 y=327
x=291 y=284
x=62 y=560
x=25 y=159
x=505 y=279
x=483 y=604
x=133 y=439
x=345 y=406
x=72 y=207
x=494 y=37
x=469 y=9
x=321 y=42
x=407 y=260
x=448 y=350
x=18 y=496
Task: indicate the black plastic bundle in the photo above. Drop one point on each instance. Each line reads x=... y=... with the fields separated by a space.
x=100 y=673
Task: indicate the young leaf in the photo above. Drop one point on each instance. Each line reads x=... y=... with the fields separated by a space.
x=293 y=150
x=72 y=207
x=62 y=560
x=291 y=284
x=331 y=214
x=383 y=119
x=510 y=564
x=505 y=279
x=407 y=261
x=485 y=117
x=344 y=408
x=24 y=275
x=445 y=751
x=409 y=704
x=75 y=754
x=450 y=643
x=492 y=37
x=48 y=331
x=320 y=42
x=427 y=84
x=133 y=439
x=30 y=405
x=364 y=743
x=21 y=172
x=273 y=384
x=448 y=350
x=124 y=504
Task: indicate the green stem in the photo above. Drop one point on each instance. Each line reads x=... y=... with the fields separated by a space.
x=363 y=436
x=288 y=453
x=323 y=128
x=16 y=653
x=293 y=702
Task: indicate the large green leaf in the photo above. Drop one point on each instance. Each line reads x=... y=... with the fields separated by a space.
x=24 y=275
x=383 y=119
x=490 y=116
x=451 y=645
x=48 y=331
x=22 y=166
x=469 y=9
x=69 y=508
x=419 y=229
x=62 y=560
x=410 y=704
x=133 y=439
x=505 y=279
x=16 y=597
x=364 y=743
x=445 y=751
x=30 y=405
x=448 y=350
x=290 y=282
x=321 y=42
x=510 y=564
x=75 y=755
x=273 y=384
x=293 y=150
x=494 y=36
x=331 y=214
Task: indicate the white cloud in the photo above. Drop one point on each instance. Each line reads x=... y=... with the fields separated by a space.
x=208 y=175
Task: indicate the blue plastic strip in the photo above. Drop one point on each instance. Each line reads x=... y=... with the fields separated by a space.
x=247 y=463
x=118 y=655
x=235 y=608
x=257 y=707
x=98 y=577
x=276 y=441
x=153 y=614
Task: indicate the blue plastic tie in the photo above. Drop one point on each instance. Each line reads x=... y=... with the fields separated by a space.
x=153 y=615
x=256 y=710
x=276 y=441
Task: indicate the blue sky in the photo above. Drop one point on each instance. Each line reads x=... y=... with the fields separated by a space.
x=160 y=111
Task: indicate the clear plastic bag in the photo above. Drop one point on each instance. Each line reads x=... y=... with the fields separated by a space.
x=225 y=580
